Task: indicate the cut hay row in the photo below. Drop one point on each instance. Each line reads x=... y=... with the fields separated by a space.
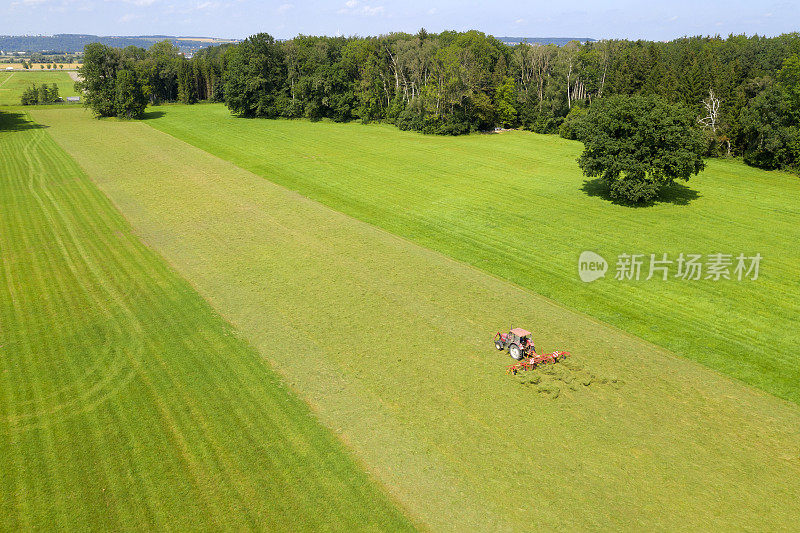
x=391 y=344
x=126 y=403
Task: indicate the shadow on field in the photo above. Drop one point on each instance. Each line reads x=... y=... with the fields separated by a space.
x=150 y=115
x=17 y=122
x=675 y=193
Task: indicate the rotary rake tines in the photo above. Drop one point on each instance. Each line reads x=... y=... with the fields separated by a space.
x=536 y=360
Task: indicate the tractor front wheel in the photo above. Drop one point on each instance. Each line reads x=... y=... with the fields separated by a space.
x=498 y=345
x=515 y=352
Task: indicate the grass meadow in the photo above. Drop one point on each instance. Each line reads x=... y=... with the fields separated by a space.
x=515 y=205
x=126 y=402
x=12 y=84
x=390 y=341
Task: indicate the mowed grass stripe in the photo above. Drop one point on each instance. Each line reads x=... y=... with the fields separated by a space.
x=125 y=401
x=390 y=342
x=513 y=205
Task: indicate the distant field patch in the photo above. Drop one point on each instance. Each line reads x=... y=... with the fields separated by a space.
x=12 y=84
x=37 y=66
x=213 y=40
x=126 y=402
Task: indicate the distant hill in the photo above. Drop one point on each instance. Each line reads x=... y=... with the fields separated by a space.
x=558 y=41
x=73 y=42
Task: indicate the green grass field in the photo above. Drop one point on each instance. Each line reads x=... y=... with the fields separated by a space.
x=515 y=205
x=12 y=84
x=126 y=403
x=390 y=342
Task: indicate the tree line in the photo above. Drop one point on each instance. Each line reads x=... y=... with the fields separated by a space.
x=49 y=66
x=744 y=92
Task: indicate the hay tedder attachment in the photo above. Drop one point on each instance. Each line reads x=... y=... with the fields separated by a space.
x=535 y=360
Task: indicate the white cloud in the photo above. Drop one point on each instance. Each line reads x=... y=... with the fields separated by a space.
x=672 y=18
x=128 y=17
x=371 y=11
x=28 y=3
x=519 y=21
x=351 y=7
x=193 y=8
x=283 y=8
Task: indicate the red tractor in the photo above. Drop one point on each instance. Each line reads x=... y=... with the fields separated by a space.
x=520 y=347
x=517 y=341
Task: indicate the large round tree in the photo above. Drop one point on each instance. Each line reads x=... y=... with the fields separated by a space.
x=639 y=144
x=254 y=75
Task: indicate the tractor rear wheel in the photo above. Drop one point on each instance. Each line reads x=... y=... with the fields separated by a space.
x=498 y=345
x=515 y=352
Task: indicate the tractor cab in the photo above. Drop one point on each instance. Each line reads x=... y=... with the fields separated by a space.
x=521 y=336
x=518 y=341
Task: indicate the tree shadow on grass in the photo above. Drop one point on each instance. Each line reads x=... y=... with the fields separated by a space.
x=17 y=122
x=152 y=115
x=674 y=193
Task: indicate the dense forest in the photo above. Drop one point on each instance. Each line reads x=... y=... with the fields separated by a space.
x=744 y=91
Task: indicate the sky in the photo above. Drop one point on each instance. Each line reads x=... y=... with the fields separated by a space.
x=598 y=19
